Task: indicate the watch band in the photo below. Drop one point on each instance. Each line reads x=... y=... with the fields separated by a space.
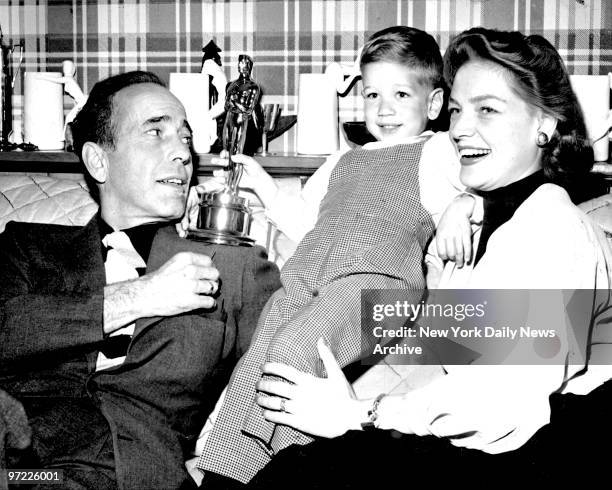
x=370 y=424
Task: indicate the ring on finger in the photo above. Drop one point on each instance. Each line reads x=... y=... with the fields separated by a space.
x=283 y=406
x=209 y=288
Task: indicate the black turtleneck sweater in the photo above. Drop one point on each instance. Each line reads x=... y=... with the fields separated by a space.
x=500 y=204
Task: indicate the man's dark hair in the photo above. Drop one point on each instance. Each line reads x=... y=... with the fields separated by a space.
x=95 y=121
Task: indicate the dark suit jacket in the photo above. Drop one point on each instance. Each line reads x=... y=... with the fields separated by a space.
x=51 y=313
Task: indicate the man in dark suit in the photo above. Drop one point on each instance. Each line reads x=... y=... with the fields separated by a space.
x=117 y=363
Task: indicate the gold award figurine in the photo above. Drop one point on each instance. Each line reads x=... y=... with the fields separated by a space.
x=224 y=217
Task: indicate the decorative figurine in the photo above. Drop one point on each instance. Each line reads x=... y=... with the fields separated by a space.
x=217 y=81
x=211 y=53
x=72 y=88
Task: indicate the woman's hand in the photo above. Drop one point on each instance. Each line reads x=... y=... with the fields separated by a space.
x=454 y=231
x=324 y=407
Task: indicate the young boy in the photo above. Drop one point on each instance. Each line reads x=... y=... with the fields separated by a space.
x=403 y=95
x=371 y=233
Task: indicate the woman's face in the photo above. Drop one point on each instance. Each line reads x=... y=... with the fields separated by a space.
x=493 y=129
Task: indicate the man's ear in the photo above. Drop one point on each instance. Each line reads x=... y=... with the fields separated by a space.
x=95 y=159
x=435 y=101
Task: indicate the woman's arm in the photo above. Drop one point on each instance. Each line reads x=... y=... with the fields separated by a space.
x=494 y=410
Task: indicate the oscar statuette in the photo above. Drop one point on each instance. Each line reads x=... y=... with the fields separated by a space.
x=225 y=217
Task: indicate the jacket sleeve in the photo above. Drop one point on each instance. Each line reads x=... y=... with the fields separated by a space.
x=35 y=321
x=260 y=278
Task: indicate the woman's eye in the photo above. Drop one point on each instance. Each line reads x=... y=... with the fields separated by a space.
x=403 y=95
x=487 y=110
x=453 y=110
x=187 y=139
x=371 y=95
x=154 y=132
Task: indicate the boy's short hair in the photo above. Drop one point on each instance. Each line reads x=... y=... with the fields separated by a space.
x=408 y=46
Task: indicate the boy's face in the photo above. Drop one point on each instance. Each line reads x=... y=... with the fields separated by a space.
x=396 y=105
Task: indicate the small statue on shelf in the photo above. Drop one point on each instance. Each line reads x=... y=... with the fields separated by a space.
x=72 y=88
x=211 y=57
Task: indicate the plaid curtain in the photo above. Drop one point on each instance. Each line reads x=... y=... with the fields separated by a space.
x=285 y=37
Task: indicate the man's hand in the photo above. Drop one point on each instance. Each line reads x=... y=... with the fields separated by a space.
x=190 y=218
x=184 y=283
x=454 y=231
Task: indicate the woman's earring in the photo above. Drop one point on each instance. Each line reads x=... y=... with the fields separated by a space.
x=542 y=139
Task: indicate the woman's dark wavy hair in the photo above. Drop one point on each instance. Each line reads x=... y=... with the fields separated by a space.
x=540 y=78
x=415 y=49
x=95 y=121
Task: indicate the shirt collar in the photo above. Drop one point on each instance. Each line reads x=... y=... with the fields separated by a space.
x=375 y=145
x=141 y=236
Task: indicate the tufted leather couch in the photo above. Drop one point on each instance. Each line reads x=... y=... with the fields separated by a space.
x=43 y=199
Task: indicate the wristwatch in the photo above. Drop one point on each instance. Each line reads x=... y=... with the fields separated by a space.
x=370 y=424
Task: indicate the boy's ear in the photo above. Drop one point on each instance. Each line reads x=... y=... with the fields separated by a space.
x=96 y=161
x=435 y=101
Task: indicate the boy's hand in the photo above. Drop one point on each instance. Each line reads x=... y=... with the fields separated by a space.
x=454 y=232
x=253 y=176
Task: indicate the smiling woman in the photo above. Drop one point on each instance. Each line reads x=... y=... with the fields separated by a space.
x=522 y=143
x=519 y=106
x=487 y=119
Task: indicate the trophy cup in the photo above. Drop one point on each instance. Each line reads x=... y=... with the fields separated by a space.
x=224 y=217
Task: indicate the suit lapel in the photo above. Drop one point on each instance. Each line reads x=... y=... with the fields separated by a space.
x=81 y=254
x=86 y=245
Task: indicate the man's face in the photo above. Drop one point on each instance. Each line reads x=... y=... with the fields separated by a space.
x=150 y=168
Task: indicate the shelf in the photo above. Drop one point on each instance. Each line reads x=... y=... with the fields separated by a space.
x=276 y=164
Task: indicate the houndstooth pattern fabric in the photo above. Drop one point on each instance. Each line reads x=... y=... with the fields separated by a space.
x=370 y=234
